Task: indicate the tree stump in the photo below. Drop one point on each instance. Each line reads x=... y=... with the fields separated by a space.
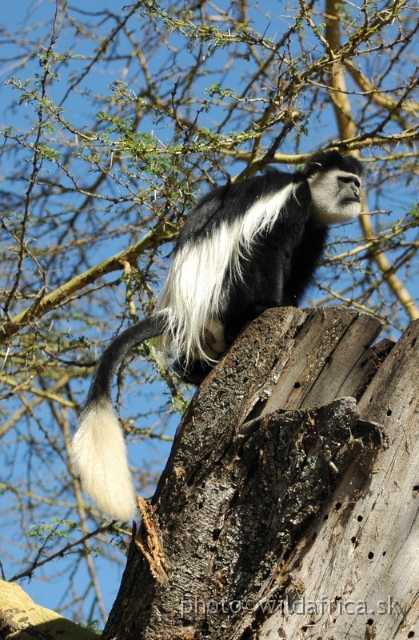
x=287 y=508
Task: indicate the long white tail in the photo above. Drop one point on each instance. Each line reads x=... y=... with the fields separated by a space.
x=98 y=448
x=99 y=451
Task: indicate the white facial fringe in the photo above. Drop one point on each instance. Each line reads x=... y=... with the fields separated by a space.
x=325 y=191
x=193 y=292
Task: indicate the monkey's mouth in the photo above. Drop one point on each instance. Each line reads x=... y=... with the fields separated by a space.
x=351 y=200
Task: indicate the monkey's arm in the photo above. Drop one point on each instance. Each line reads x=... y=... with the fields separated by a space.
x=304 y=263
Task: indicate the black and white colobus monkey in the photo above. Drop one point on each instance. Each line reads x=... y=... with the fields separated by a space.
x=245 y=247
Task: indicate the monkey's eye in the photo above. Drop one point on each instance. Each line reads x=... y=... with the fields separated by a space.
x=349 y=180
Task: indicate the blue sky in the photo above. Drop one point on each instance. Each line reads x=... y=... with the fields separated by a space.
x=37 y=18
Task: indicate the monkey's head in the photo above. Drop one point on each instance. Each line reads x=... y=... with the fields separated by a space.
x=335 y=185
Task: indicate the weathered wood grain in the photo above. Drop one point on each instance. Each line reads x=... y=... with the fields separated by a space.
x=360 y=558
x=275 y=495
x=329 y=359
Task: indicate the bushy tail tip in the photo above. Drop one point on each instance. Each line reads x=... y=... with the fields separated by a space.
x=98 y=449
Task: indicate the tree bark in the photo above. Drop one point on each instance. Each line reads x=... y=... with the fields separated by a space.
x=287 y=508
x=22 y=619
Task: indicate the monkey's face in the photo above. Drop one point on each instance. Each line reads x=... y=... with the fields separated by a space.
x=335 y=196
